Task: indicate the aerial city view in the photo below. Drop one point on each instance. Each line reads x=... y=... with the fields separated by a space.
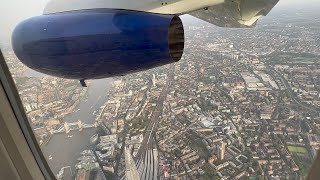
x=240 y=104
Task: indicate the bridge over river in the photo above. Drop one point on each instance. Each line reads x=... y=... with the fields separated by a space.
x=74 y=126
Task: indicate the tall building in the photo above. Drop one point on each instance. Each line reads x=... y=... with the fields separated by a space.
x=222 y=149
x=131 y=168
x=154 y=80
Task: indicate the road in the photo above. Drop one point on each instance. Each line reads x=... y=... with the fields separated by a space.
x=291 y=95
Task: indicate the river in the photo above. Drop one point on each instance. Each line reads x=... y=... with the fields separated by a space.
x=65 y=150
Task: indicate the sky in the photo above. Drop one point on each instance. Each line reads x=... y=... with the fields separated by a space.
x=14 y=11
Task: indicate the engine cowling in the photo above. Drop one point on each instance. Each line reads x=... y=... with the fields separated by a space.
x=98 y=43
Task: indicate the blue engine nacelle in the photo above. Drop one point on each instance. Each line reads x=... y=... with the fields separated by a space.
x=98 y=43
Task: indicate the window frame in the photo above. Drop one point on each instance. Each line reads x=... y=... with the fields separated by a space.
x=16 y=132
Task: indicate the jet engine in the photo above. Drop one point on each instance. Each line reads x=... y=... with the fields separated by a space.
x=98 y=43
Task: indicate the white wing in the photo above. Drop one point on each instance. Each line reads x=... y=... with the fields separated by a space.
x=236 y=13
x=225 y=13
x=154 y=6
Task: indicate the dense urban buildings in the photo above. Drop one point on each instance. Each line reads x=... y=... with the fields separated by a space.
x=241 y=103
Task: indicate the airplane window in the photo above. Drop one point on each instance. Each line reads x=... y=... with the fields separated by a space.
x=114 y=93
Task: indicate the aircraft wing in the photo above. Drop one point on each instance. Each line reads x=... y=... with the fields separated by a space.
x=235 y=13
x=223 y=13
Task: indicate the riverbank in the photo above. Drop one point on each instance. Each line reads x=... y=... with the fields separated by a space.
x=66 y=148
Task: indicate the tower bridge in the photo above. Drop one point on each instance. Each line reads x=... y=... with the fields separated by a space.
x=78 y=125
